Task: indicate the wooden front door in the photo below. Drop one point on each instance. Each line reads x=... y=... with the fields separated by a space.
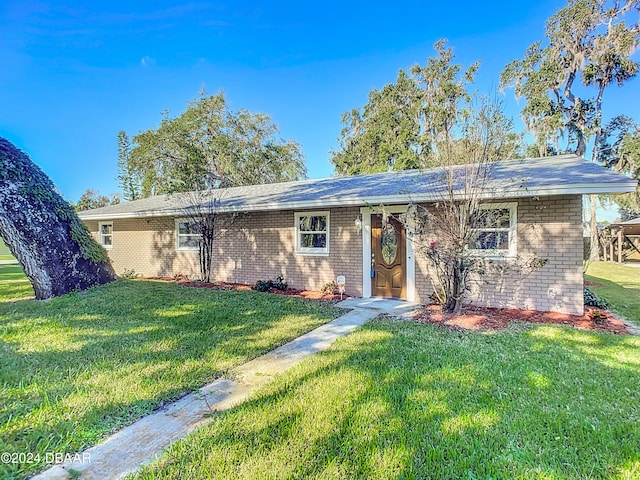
x=388 y=258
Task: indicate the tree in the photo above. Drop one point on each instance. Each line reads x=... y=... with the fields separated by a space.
x=466 y=156
x=94 y=199
x=201 y=208
x=591 y=40
x=208 y=146
x=128 y=176
x=43 y=232
x=384 y=136
x=621 y=152
x=403 y=125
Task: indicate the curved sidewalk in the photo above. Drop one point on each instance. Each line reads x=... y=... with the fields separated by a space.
x=145 y=440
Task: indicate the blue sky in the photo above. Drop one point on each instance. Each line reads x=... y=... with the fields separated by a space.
x=75 y=73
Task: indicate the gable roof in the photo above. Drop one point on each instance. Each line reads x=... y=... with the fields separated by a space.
x=564 y=174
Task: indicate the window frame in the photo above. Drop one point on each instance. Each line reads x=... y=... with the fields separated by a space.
x=180 y=235
x=312 y=251
x=102 y=235
x=511 y=251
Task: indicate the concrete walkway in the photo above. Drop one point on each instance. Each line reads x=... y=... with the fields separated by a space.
x=138 y=444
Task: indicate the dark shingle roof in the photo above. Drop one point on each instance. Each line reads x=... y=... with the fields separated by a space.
x=565 y=174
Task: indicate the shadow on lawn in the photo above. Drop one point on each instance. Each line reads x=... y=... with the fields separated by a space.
x=81 y=366
x=398 y=400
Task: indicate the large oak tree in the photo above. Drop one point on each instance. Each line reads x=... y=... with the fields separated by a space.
x=406 y=123
x=43 y=232
x=207 y=146
x=588 y=48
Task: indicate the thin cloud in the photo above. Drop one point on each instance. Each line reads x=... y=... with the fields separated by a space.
x=147 y=61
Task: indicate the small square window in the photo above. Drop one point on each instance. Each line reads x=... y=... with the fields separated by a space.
x=494 y=230
x=312 y=233
x=105 y=234
x=187 y=236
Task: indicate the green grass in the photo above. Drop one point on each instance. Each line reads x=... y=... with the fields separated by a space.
x=398 y=400
x=77 y=368
x=4 y=250
x=6 y=257
x=13 y=284
x=621 y=287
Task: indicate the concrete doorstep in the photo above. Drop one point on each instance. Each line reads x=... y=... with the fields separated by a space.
x=145 y=440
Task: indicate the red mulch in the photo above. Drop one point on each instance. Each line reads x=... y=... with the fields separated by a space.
x=484 y=318
x=587 y=283
x=312 y=294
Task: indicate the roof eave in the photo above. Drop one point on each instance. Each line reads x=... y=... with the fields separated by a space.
x=545 y=191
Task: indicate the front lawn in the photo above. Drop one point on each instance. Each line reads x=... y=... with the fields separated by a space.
x=14 y=284
x=77 y=368
x=406 y=400
x=620 y=287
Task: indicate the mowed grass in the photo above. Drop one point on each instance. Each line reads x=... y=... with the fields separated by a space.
x=14 y=285
x=76 y=368
x=401 y=400
x=621 y=287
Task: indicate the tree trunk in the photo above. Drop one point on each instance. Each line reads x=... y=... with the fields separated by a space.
x=594 y=250
x=43 y=232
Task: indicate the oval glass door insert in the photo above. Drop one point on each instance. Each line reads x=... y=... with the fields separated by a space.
x=389 y=243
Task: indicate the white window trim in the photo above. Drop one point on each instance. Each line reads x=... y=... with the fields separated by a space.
x=311 y=251
x=178 y=235
x=513 y=230
x=102 y=235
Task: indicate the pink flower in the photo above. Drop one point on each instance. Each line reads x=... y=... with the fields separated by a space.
x=432 y=244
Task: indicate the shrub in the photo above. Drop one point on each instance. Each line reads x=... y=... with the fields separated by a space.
x=263 y=285
x=592 y=300
x=329 y=288
x=129 y=273
x=597 y=316
x=279 y=283
x=266 y=285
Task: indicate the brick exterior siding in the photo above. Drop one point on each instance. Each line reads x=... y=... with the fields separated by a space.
x=261 y=245
x=257 y=246
x=549 y=228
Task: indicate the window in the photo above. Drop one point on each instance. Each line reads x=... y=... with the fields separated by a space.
x=105 y=234
x=312 y=233
x=187 y=236
x=494 y=230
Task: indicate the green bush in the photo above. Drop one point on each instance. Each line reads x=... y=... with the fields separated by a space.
x=592 y=300
x=263 y=285
x=266 y=285
x=129 y=273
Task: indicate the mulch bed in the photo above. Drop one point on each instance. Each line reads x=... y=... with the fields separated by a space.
x=484 y=318
x=311 y=294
